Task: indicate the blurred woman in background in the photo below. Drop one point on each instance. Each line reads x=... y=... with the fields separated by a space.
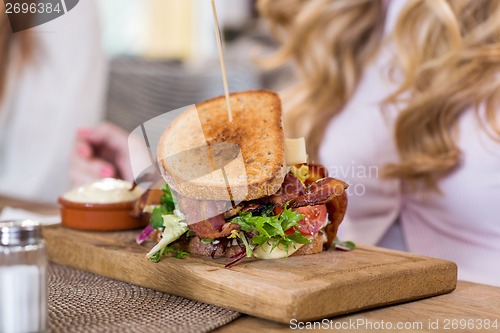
x=52 y=81
x=401 y=99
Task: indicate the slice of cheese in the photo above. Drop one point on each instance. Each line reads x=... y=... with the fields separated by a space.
x=264 y=251
x=295 y=151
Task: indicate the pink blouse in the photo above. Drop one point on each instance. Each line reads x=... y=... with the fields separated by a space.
x=462 y=224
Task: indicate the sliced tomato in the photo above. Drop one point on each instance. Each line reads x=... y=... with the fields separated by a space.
x=314 y=219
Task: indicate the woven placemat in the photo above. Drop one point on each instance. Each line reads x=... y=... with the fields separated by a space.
x=84 y=302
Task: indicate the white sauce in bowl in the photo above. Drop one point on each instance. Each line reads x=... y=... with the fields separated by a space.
x=104 y=191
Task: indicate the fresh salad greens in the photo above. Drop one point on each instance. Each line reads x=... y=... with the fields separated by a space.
x=174 y=227
x=269 y=229
x=171 y=223
x=166 y=207
x=261 y=229
x=173 y=251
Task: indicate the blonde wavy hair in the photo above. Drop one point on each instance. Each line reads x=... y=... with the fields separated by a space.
x=447 y=50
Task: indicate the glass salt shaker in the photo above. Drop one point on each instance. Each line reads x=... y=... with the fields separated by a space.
x=23 y=277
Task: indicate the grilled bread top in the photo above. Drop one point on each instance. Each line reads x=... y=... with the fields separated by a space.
x=204 y=156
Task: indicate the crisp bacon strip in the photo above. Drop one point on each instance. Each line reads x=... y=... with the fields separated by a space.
x=316 y=172
x=205 y=219
x=320 y=193
x=206 y=229
x=291 y=188
x=254 y=207
x=331 y=193
x=336 y=209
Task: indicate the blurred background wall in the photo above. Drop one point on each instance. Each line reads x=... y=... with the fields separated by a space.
x=164 y=54
x=169 y=29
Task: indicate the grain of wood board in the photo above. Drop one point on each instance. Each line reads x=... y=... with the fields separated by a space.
x=309 y=287
x=470 y=301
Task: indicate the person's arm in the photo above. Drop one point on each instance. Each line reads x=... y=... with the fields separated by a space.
x=101 y=151
x=60 y=89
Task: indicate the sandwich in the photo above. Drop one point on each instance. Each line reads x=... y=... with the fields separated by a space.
x=239 y=189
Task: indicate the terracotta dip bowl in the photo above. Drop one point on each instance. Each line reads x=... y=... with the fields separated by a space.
x=104 y=205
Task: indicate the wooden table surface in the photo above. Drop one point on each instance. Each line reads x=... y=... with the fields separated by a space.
x=471 y=307
x=470 y=301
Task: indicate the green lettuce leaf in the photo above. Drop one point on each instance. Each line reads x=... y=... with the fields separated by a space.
x=166 y=207
x=270 y=229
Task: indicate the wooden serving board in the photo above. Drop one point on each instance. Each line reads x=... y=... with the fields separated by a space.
x=303 y=287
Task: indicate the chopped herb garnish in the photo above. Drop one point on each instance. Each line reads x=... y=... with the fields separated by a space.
x=345 y=246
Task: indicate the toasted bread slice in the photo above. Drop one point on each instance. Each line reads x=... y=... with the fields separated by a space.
x=204 y=156
x=316 y=246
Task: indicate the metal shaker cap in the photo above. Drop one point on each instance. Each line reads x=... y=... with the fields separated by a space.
x=19 y=232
